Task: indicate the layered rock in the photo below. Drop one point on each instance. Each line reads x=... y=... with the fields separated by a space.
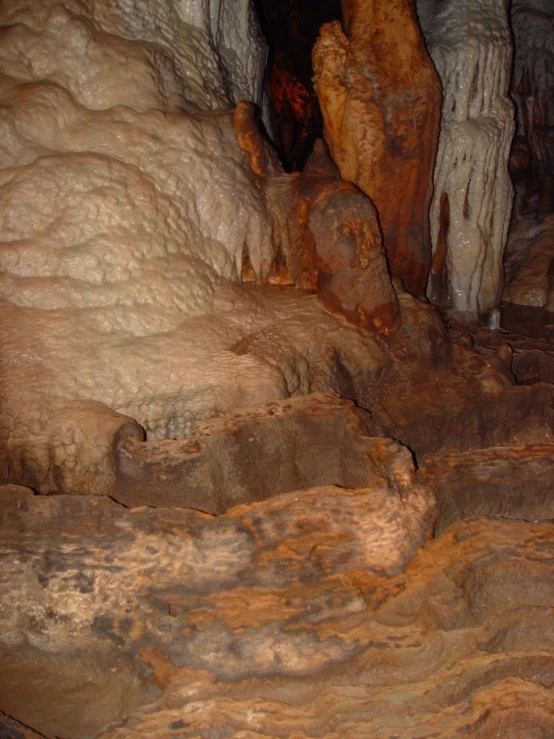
x=316 y=603
x=514 y=482
x=218 y=466
x=471 y=46
x=380 y=98
x=265 y=551
x=299 y=614
x=472 y=402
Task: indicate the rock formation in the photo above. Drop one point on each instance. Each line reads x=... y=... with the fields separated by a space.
x=249 y=486
x=529 y=263
x=529 y=256
x=380 y=98
x=331 y=237
x=533 y=81
x=290 y=616
x=471 y=46
x=114 y=243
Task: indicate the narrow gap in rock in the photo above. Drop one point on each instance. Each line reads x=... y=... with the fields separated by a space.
x=291 y=28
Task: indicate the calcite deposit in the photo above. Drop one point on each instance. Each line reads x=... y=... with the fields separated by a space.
x=330 y=234
x=113 y=249
x=249 y=486
x=380 y=98
x=471 y=46
x=129 y=225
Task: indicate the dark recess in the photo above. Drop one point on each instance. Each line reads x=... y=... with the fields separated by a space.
x=291 y=28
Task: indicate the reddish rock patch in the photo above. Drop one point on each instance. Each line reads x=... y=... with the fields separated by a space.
x=383 y=136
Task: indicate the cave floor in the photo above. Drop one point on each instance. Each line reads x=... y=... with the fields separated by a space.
x=322 y=568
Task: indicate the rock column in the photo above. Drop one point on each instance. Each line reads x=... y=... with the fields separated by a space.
x=471 y=46
x=380 y=98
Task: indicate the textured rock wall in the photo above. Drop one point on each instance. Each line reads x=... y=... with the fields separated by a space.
x=330 y=234
x=194 y=55
x=380 y=98
x=308 y=615
x=113 y=246
x=529 y=263
x=128 y=225
x=533 y=81
x=471 y=46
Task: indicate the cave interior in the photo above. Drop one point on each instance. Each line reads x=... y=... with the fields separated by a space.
x=277 y=369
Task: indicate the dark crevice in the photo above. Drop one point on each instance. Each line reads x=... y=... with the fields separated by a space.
x=291 y=28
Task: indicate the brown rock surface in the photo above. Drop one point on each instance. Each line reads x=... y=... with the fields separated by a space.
x=529 y=263
x=533 y=78
x=320 y=605
x=526 y=341
x=297 y=617
x=304 y=442
x=380 y=96
x=11 y=729
x=509 y=482
x=331 y=237
x=470 y=402
x=96 y=598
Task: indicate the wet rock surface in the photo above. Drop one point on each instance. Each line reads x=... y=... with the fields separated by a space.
x=314 y=509
x=383 y=135
x=428 y=591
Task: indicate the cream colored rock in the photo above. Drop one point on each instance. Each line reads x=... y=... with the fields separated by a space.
x=471 y=46
x=124 y=226
x=124 y=222
x=171 y=54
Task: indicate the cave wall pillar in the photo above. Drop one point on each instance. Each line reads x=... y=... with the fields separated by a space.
x=471 y=46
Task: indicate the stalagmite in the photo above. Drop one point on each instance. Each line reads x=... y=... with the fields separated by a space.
x=380 y=98
x=471 y=46
x=227 y=436
x=130 y=209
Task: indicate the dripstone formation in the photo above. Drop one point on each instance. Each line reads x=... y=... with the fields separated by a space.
x=252 y=482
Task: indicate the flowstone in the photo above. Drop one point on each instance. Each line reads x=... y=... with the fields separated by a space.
x=236 y=484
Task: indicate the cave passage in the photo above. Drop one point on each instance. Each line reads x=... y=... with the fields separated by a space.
x=291 y=28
